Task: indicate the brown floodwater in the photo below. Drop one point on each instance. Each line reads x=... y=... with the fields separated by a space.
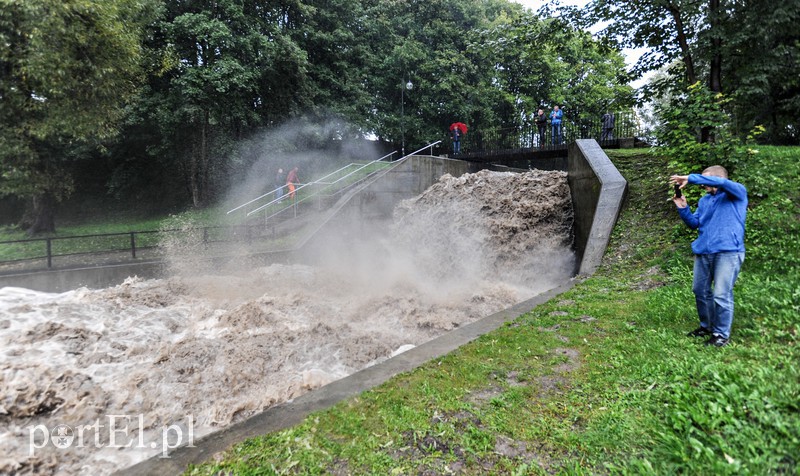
x=96 y=380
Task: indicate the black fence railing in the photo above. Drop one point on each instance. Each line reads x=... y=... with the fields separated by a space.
x=130 y=243
x=528 y=136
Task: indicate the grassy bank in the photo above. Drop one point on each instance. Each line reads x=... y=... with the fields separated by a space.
x=601 y=379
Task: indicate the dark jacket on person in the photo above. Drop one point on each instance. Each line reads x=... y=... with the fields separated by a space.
x=608 y=121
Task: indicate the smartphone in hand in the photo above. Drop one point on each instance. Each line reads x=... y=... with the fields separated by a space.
x=678 y=191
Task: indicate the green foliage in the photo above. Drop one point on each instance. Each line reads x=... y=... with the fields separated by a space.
x=773 y=230
x=545 y=62
x=762 y=73
x=686 y=119
x=218 y=73
x=68 y=68
x=757 y=62
x=637 y=24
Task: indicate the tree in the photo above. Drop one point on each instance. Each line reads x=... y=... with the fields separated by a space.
x=682 y=119
x=750 y=50
x=668 y=28
x=332 y=35
x=68 y=66
x=762 y=74
x=538 y=62
x=231 y=67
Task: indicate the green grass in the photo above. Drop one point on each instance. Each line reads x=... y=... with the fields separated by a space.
x=600 y=379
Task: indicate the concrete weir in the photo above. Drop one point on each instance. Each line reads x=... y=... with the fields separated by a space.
x=597 y=191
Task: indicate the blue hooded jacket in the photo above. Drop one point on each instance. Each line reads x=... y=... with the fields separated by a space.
x=719 y=217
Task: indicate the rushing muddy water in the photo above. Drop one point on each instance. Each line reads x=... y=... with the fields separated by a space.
x=96 y=380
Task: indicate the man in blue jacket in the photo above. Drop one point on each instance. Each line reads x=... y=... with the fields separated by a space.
x=718 y=249
x=555 y=123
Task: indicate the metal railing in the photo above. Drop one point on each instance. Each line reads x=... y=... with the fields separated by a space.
x=429 y=146
x=131 y=243
x=326 y=183
x=48 y=248
x=528 y=137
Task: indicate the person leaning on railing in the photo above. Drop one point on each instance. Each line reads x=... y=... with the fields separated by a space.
x=607 y=123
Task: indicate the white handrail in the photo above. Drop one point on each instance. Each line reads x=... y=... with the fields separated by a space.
x=420 y=150
x=253 y=200
x=320 y=181
x=315 y=182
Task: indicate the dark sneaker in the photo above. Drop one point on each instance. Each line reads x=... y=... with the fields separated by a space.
x=700 y=332
x=717 y=341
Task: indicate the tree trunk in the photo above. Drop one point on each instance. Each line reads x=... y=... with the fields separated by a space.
x=198 y=170
x=204 y=157
x=194 y=178
x=715 y=75
x=43 y=214
x=198 y=164
x=715 y=72
x=675 y=11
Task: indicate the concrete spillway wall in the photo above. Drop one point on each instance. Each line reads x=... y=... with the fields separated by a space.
x=597 y=192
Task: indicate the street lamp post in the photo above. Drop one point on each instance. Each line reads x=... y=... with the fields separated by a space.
x=403 y=86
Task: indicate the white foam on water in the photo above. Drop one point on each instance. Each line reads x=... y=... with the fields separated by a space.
x=194 y=353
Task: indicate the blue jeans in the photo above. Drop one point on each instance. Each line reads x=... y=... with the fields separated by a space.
x=714 y=276
x=556 y=133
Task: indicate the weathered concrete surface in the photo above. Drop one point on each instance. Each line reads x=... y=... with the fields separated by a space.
x=66 y=279
x=598 y=190
x=292 y=413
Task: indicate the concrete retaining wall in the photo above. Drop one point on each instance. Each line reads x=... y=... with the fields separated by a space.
x=598 y=190
x=94 y=277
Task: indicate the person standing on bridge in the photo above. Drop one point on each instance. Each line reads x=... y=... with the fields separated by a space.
x=718 y=249
x=291 y=180
x=607 y=123
x=541 y=125
x=555 y=124
x=456 y=136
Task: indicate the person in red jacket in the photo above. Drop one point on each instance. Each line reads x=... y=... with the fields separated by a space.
x=291 y=180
